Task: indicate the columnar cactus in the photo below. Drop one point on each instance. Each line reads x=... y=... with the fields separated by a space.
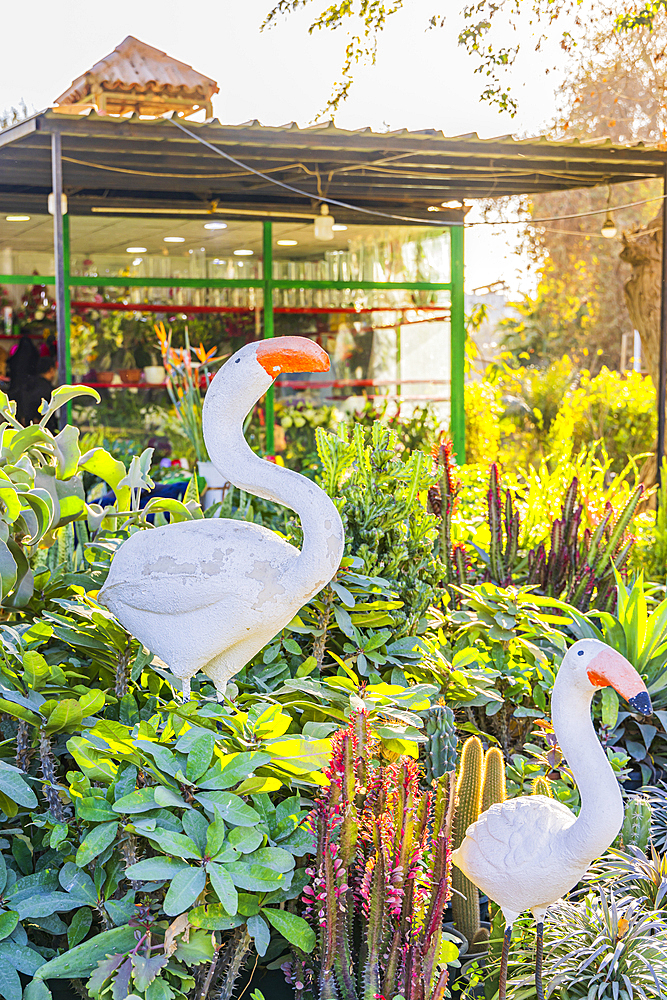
x=439 y=751
x=504 y=530
x=382 y=858
x=493 y=788
x=465 y=901
x=636 y=828
x=442 y=500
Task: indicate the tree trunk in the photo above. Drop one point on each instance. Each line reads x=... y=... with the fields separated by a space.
x=642 y=249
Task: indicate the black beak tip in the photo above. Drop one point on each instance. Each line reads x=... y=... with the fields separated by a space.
x=641 y=703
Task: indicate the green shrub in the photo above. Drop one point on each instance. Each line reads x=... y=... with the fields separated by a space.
x=618 y=409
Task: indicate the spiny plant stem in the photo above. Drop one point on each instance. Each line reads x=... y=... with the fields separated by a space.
x=49 y=774
x=23 y=742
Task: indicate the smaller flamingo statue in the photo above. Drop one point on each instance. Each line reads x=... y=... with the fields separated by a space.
x=527 y=852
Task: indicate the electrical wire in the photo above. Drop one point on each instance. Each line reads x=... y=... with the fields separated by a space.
x=299 y=191
x=406 y=218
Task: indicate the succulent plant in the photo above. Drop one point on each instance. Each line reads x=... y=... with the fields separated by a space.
x=494 y=788
x=439 y=751
x=657 y=798
x=465 y=901
x=541 y=786
x=380 y=880
x=636 y=828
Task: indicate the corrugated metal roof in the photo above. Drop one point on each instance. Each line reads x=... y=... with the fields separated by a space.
x=135 y=164
x=135 y=66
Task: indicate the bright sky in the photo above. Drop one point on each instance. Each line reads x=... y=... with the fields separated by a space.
x=422 y=79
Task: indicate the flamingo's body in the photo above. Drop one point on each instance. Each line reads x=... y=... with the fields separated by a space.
x=527 y=852
x=208 y=594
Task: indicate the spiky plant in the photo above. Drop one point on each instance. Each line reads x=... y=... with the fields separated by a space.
x=442 y=502
x=439 y=751
x=657 y=798
x=636 y=828
x=598 y=948
x=380 y=879
x=634 y=876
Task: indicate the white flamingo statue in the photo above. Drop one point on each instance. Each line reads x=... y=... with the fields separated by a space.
x=527 y=852
x=208 y=594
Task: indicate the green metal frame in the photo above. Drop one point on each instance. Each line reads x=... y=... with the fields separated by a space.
x=268 y=284
x=457 y=419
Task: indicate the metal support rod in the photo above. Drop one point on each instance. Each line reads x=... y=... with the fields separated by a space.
x=267 y=270
x=457 y=422
x=61 y=262
x=662 y=380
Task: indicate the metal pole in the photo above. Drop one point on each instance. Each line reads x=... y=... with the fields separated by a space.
x=267 y=266
x=61 y=267
x=457 y=421
x=662 y=380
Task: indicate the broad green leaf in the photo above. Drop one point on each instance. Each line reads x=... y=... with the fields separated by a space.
x=67 y=451
x=77 y=882
x=41 y=504
x=230 y=772
x=146 y=969
x=259 y=931
x=92 y=702
x=175 y=843
x=82 y=960
x=19 y=712
x=156 y=869
x=99 y=838
x=23 y=959
x=294 y=929
x=36 y=670
x=255 y=878
x=8 y=570
x=185 y=886
x=214 y=917
x=102 y=464
x=10 y=983
x=199 y=756
x=47 y=903
x=195 y=825
x=8 y=922
x=62 y=395
x=223 y=884
x=272 y=857
x=15 y=787
x=215 y=837
x=229 y=807
x=94 y=809
x=94 y=764
x=177 y=510
x=136 y=802
x=166 y=797
x=79 y=926
x=245 y=838
x=66 y=715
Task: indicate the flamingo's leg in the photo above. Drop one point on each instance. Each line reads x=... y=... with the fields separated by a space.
x=539 y=989
x=502 y=985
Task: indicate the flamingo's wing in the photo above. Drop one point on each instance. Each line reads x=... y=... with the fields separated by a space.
x=512 y=837
x=181 y=568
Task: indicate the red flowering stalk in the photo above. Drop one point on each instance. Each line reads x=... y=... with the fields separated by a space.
x=380 y=880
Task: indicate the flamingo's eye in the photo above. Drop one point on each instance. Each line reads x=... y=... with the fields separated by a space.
x=580 y=653
x=237 y=360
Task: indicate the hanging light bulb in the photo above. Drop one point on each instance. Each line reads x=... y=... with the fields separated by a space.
x=608 y=227
x=324 y=224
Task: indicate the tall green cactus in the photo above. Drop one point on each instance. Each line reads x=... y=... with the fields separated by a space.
x=494 y=788
x=439 y=751
x=636 y=828
x=465 y=900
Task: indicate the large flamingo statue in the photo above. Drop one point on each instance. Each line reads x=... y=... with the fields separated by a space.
x=527 y=852
x=208 y=594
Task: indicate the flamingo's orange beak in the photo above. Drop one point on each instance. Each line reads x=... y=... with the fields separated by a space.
x=609 y=668
x=291 y=354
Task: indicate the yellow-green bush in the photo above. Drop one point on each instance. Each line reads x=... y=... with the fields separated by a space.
x=484 y=410
x=618 y=409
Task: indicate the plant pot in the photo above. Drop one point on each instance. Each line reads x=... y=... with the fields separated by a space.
x=154 y=374
x=105 y=378
x=130 y=376
x=216 y=484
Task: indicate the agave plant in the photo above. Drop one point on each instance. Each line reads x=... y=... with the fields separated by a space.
x=598 y=948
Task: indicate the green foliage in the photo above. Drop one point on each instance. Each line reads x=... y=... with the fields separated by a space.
x=439 y=750
x=619 y=409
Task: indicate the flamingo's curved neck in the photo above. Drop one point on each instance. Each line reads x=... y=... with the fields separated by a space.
x=601 y=814
x=323 y=535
